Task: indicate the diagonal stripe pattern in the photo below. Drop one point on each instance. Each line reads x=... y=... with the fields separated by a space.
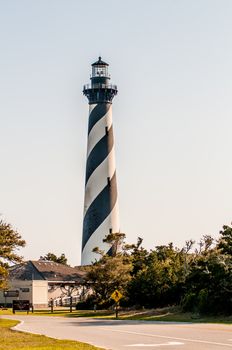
x=101 y=199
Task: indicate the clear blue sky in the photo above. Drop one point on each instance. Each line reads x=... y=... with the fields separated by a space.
x=172 y=117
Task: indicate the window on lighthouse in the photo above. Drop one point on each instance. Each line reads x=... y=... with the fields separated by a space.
x=100 y=71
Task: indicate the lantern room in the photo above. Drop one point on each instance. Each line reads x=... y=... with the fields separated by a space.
x=100 y=69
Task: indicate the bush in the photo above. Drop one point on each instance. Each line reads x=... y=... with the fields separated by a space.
x=189 y=302
x=203 y=302
x=88 y=304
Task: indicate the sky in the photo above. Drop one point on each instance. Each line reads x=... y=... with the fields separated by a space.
x=171 y=61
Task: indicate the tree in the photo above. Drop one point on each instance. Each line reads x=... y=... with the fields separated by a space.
x=70 y=291
x=208 y=287
x=58 y=259
x=115 y=241
x=158 y=276
x=110 y=272
x=10 y=242
x=199 y=280
x=138 y=256
x=225 y=241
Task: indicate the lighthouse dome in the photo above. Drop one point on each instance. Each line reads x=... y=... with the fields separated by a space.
x=100 y=62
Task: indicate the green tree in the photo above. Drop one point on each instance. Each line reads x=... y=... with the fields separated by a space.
x=200 y=280
x=225 y=241
x=116 y=244
x=138 y=256
x=58 y=259
x=159 y=280
x=208 y=287
x=10 y=242
x=111 y=272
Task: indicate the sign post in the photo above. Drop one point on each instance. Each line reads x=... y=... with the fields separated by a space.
x=70 y=305
x=116 y=295
x=21 y=305
x=52 y=304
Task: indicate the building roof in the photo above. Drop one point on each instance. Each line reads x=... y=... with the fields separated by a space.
x=46 y=270
x=100 y=62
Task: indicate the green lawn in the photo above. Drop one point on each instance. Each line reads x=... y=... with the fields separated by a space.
x=61 y=312
x=171 y=314
x=180 y=317
x=12 y=340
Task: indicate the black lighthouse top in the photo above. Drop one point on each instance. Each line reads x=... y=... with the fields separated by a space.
x=100 y=90
x=100 y=62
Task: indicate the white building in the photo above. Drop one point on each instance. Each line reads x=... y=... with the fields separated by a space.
x=42 y=281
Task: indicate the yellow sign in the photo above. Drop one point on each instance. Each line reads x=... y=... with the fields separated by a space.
x=116 y=295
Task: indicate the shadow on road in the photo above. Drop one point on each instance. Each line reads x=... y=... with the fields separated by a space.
x=105 y=322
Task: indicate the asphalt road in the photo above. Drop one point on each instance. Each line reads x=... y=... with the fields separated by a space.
x=131 y=335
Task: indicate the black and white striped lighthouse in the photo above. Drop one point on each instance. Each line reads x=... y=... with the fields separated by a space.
x=101 y=200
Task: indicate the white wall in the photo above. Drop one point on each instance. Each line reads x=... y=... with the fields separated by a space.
x=34 y=291
x=40 y=293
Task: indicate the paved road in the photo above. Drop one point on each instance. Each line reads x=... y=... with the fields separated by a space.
x=131 y=335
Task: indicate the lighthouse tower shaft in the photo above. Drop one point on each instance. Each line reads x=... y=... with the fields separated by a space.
x=101 y=199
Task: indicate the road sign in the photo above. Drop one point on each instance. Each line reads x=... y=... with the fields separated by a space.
x=116 y=295
x=21 y=305
x=11 y=293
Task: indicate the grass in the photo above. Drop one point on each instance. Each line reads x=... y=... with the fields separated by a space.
x=176 y=316
x=12 y=340
x=169 y=314
x=75 y=313
x=61 y=312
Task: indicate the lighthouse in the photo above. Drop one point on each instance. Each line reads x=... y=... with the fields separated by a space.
x=101 y=199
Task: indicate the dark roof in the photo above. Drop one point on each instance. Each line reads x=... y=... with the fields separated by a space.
x=46 y=270
x=100 y=62
x=24 y=271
